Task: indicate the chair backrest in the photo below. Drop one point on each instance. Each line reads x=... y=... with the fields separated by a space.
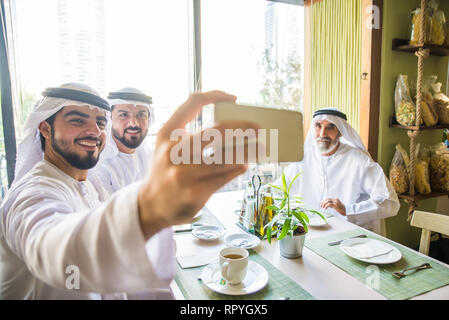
x=429 y=222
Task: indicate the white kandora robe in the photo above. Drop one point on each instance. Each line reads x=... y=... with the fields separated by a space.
x=54 y=228
x=120 y=169
x=349 y=174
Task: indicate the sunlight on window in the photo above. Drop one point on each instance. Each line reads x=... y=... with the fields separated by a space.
x=252 y=49
x=105 y=44
x=255 y=50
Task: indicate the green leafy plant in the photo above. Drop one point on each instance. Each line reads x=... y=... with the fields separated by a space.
x=293 y=218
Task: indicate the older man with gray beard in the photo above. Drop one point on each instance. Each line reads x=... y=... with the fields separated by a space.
x=338 y=174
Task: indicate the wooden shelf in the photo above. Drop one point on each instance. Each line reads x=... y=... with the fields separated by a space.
x=404 y=46
x=418 y=196
x=394 y=124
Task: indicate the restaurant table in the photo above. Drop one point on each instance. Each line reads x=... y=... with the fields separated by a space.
x=319 y=277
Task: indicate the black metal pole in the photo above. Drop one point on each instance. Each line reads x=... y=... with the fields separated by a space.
x=6 y=101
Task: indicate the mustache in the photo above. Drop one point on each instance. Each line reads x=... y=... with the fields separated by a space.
x=324 y=139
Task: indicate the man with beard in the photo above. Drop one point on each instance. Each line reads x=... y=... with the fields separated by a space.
x=339 y=175
x=59 y=241
x=126 y=157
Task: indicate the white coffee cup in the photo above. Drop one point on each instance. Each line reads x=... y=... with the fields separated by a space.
x=234 y=264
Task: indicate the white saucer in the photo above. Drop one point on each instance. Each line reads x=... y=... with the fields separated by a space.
x=255 y=280
x=391 y=256
x=316 y=221
x=242 y=240
x=208 y=232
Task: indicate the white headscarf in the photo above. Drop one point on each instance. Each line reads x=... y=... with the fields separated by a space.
x=348 y=134
x=111 y=149
x=134 y=102
x=29 y=151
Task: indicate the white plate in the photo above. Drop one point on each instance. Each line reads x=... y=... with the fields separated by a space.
x=390 y=257
x=242 y=240
x=255 y=280
x=316 y=221
x=208 y=232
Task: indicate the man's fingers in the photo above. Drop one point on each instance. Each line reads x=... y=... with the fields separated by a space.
x=189 y=109
x=327 y=203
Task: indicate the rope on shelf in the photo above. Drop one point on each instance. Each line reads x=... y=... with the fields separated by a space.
x=421 y=54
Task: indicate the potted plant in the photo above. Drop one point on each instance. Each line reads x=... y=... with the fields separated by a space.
x=290 y=223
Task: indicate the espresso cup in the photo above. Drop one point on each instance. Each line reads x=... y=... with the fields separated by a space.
x=233 y=264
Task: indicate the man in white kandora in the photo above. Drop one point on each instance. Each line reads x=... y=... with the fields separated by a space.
x=58 y=241
x=339 y=175
x=126 y=157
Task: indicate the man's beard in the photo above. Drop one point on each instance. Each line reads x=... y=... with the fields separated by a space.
x=134 y=141
x=72 y=157
x=325 y=144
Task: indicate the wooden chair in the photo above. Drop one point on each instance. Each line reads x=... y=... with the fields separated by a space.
x=429 y=222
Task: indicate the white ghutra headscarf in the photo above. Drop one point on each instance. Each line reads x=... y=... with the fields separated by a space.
x=29 y=151
x=348 y=134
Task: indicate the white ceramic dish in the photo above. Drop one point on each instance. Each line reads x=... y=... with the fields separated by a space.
x=208 y=232
x=242 y=240
x=256 y=279
x=393 y=255
x=316 y=221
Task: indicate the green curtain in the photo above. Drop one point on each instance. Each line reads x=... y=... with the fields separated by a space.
x=336 y=56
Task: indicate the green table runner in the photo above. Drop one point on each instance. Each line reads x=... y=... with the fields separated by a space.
x=388 y=286
x=279 y=285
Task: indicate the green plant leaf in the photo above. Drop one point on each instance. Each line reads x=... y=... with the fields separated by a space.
x=301 y=219
x=304 y=215
x=291 y=183
x=284 y=182
x=285 y=228
x=273 y=207
x=276 y=187
x=269 y=234
x=316 y=212
x=283 y=203
x=276 y=218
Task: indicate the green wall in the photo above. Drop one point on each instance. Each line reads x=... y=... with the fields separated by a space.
x=396 y=25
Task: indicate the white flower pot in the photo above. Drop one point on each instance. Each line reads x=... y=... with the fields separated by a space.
x=291 y=247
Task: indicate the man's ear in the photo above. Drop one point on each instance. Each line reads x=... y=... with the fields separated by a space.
x=45 y=129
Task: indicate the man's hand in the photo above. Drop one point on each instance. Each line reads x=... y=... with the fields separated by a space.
x=172 y=194
x=334 y=203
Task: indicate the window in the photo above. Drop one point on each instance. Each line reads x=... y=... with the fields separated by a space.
x=105 y=44
x=255 y=50
x=252 y=48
